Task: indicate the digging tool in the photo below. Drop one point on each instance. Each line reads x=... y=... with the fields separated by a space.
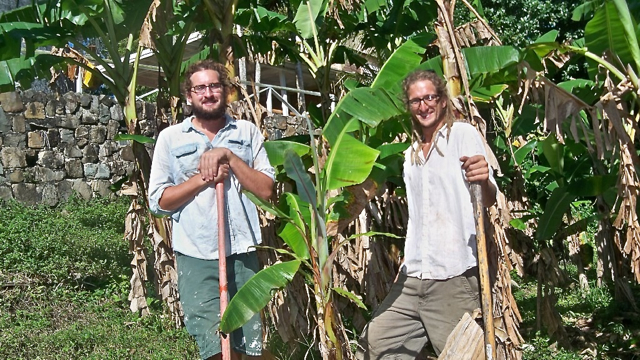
x=483 y=267
x=225 y=339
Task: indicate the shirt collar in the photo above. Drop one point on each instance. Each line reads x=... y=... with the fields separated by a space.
x=439 y=134
x=187 y=124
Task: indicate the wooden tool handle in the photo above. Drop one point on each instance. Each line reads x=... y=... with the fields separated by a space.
x=222 y=267
x=483 y=268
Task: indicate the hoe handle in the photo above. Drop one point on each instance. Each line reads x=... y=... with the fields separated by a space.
x=483 y=267
x=222 y=267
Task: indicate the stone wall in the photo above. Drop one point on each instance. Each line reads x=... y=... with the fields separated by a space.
x=52 y=146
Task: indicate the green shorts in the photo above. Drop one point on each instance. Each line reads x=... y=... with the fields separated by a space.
x=200 y=298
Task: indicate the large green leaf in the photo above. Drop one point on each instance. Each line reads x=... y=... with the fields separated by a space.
x=267 y=206
x=630 y=30
x=294 y=231
x=368 y=105
x=554 y=153
x=404 y=60
x=263 y=21
x=593 y=185
x=349 y=163
x=371 y=105
x=277 y=148
x=612 y=29
x=381 y=101
x=584 y=10
x=487 y=93
x=587 y=90
x=490 y=59
x=297 y=172
x=308 y=13
x=25 y=70
x=557 y=205
x=373 y=5
x=291 y=235
x=351 y=296
x=256 y=293
x=392 y=149
x=523 y=152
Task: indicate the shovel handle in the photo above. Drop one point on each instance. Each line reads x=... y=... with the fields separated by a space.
x=222 y=267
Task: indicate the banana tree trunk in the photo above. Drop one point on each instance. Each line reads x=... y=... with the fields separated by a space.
x=164 y=264
x=505 y=312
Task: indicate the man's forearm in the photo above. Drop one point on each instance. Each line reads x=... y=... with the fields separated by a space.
x=174 y=197
x=252 y=180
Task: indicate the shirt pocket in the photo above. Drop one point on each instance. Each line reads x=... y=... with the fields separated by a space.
x=242 y=149
x=188 y=158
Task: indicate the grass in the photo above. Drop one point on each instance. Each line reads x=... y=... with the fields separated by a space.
x=64 y=282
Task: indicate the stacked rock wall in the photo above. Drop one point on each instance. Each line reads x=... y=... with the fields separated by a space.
x=52 y=146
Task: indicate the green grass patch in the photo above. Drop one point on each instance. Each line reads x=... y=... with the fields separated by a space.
x=64 y=282
x=77 y=243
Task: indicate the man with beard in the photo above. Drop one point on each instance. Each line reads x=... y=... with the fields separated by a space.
x=438 y=280
x=189 y=159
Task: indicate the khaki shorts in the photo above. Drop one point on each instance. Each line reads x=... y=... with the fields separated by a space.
x=200 y=298
x=416 y=312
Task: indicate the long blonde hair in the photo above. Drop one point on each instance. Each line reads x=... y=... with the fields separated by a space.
x=441 y=90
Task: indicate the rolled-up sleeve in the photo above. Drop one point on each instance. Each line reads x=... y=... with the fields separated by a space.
x=261 y=160
x=476 y=145
x=161 y=175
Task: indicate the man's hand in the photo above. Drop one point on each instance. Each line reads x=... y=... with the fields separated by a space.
x=476 y=168
x=223 y=173
x=214 y=165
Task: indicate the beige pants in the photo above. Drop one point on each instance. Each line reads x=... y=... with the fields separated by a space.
x=416 y=312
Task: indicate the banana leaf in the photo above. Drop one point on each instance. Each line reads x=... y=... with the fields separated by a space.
x=558 y=204
x=349 y=163
x=612 y=29
x=256 y=293
x=308 y=13
x=277 y=148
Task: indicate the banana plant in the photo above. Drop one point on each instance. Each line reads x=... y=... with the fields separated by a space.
x=304 y=215
x=166 y=31
x=63 y=23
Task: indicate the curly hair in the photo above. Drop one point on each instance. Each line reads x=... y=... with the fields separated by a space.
x=201 y=65
x=441 y=90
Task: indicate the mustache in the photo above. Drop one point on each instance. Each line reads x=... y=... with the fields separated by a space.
x=213 y=114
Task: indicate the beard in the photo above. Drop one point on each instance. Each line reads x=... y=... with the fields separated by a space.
x=210 y=114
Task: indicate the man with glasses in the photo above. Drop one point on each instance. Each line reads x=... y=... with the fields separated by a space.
x=189 y=159
x=438 y=279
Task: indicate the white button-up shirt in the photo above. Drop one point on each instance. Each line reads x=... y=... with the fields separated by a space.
x=441 y=233
x=195 y=224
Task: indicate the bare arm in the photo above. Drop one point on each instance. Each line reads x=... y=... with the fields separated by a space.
x=252 y=180
x=477 y=170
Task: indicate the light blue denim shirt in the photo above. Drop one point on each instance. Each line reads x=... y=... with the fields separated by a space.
x=195 y=225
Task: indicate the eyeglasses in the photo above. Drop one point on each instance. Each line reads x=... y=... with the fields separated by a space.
x=201 y=89
x=428 y=99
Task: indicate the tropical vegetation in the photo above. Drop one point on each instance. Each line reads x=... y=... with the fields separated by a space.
x=558 y=111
